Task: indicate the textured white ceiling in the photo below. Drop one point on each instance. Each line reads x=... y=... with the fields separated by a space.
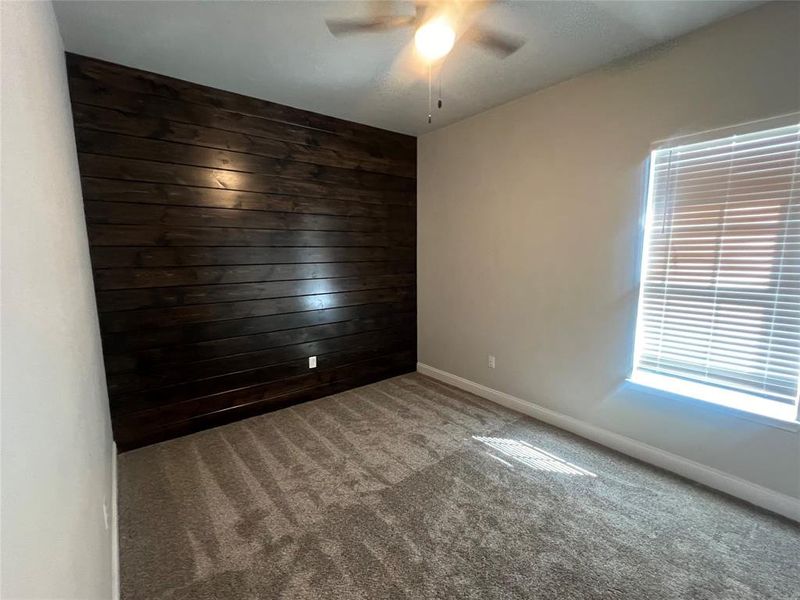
x=282 y=51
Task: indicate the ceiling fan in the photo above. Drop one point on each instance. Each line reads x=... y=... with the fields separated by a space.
x=438 y=25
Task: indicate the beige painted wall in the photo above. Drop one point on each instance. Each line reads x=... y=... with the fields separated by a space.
x=529 y=224
x=56 y=438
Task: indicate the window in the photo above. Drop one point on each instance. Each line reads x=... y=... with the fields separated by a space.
x=719 y=305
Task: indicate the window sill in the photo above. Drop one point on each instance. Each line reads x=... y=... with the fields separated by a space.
x=766 y=412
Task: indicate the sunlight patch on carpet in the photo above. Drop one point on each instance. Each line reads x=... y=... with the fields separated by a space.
x=531 y=456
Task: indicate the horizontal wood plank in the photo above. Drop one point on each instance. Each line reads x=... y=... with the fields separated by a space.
x=127 y=146
x=128 y=343
x=136 y=257
x=117 y=213
x=148 y=235
x=127 y=278
x=201 y=313
x=138 y=192
x=113 y=120
x=112 y=167
x=120 y=300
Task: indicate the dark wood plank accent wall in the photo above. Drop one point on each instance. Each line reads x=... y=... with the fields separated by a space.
x=232 y=238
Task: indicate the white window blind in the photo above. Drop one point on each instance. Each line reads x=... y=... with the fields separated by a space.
x=720 y=297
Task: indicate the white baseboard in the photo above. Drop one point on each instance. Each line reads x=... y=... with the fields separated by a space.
x=115 y=590
x=777 y=502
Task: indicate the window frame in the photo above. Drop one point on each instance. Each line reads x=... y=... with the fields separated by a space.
x=738 y=403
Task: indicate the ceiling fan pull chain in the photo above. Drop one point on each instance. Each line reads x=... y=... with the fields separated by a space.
x=440 y=88
x=430 y=95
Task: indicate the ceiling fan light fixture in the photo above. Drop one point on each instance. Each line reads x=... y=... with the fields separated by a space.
x=435 y=39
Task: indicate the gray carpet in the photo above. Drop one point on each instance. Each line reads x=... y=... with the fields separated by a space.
x=411 y=489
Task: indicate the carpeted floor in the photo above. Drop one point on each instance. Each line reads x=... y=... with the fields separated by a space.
x=411 y=489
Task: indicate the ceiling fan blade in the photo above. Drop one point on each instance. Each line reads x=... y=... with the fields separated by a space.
x=503 y=45
x=421 y=10
x=340 y=27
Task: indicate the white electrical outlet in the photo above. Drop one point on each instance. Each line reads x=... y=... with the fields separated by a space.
x=491 y=361
x=312 y=362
